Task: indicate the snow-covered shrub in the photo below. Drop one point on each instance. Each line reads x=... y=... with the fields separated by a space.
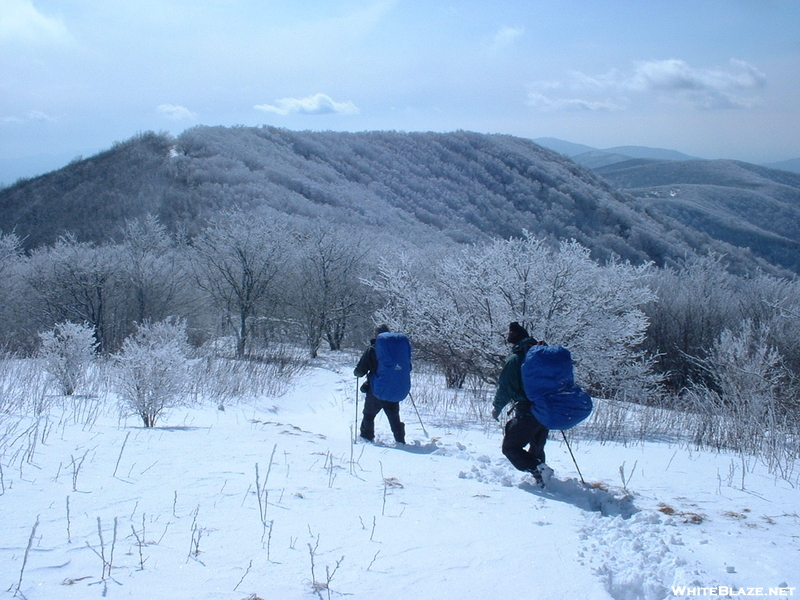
x=449 y=407
x=23 y=386
x=745 y=407
x=776 y=302
x=67 y=351
x=268 y=373
x=152 y=371
x=10 y=391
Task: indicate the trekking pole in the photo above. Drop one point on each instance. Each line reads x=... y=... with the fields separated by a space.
x=573 y=457
x=355 y=425
x=418 y=417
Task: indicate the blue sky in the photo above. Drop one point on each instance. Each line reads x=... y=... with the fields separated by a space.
x=713 y=79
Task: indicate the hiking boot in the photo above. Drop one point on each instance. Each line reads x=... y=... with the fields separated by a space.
x=545 y=473
x=537 y=476
x=400 y=434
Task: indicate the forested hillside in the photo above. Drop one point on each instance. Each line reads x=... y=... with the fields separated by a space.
x=739 y=203
x=462 y=187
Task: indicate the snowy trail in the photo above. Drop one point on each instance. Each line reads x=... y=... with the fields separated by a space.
x=444 y=517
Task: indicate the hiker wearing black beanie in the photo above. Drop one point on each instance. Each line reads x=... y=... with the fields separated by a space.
x=523 y=429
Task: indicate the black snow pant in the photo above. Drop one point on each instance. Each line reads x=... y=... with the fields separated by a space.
x=525 y=430
x=374 y=405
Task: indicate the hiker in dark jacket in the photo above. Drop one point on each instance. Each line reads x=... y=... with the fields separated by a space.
x=368 y=365
x=523 y=429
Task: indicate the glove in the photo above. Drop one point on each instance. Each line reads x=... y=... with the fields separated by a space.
x=496 y=414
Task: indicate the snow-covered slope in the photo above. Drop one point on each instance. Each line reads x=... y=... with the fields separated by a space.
x=272 y=500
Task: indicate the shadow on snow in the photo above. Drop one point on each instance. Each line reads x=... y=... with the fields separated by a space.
x=584 y=496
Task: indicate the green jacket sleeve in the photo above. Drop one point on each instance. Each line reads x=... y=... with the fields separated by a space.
x=509 y=385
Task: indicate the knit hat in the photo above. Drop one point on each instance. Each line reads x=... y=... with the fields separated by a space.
x=518 y=330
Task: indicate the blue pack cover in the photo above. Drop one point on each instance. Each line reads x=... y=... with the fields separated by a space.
x=392 y=380
x=549 y=383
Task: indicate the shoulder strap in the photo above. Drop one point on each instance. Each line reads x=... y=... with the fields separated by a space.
x=523 y=350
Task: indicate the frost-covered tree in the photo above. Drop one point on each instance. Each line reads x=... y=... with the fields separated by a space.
x=417 y=303
x=68 y=351
x=328 y=293
x=152 y=271
x=152 y=370
x=10 y=251
x=459 y=310
x=78 y=282
x=237 y=262
x=694 y=305
x=10 y=293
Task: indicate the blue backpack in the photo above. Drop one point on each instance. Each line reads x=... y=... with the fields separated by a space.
x=548 y=381
x=392 y=380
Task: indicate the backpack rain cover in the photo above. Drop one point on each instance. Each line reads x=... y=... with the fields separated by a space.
x=548 y=381
x=392 y=380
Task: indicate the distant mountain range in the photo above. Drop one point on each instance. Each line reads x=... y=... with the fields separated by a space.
x=595 y=157
x=423 y=188
x=786 y=165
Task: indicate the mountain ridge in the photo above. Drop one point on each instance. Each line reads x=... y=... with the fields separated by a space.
x=462 y=187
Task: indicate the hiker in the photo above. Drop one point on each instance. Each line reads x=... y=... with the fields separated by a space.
x=523 y=429
x=387 y=365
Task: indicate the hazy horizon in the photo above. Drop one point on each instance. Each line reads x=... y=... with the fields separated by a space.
x=715 y=80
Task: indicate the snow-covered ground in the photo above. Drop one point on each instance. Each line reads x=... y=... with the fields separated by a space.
x=272 y=500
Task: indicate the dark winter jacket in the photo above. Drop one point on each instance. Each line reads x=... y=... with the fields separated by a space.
x=509 y=385
x=368 y=363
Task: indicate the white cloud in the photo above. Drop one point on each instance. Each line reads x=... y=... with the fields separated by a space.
x=506 y=36
x=610 y=81
x=32 y=116
x=673 y=79
x=37 y=115
x=545 y=103
x=318 y=104
x=707 y=88
x=176 y=113
x=21 y=22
